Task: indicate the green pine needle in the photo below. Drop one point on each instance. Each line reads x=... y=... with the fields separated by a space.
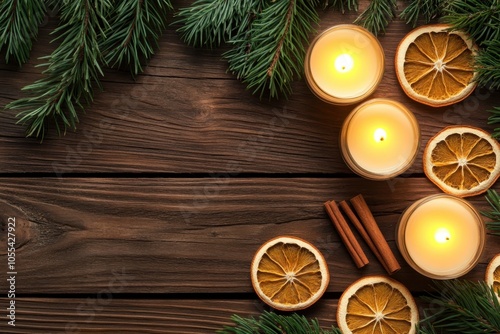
x=342 y=5
x=136 y=27
x=480 y=19
x=72 y=69
x=462 y=306
x=421 y=9
x=208 y=23
x=487 y=66
x=495 y=119
x=19 y=20
x=270 y=54
x=377 y=16
x=494 y=201
x=272 y=323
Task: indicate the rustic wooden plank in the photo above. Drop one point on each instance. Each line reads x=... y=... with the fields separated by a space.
x=101 y=314
x=187 y=235
x=186 y=114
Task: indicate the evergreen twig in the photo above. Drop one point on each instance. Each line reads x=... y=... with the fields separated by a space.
x=212 y=22
x=136 y=27
x=421 y=9
x=72 y=69
x=462 y=306
x=493 y=199
x=480 y=19
x=269 y=55
x=494 y=119
x=342 y=5
x=377 y=16
x=272 y=323
x=19 y=20
x=487 y=67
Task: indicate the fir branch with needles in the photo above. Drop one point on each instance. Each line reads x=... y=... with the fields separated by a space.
x=425 y=10
x=493 y=199
x=270 y=54
x=92 y=34
x=377 y=16
x=72 y=70
x=480 y=19
x=209 y=23
x=494 y=119
x=19 y=21
x=272 y=323
x=486 y=65
x=136 y=27
x=462 y=306
x=342 y=5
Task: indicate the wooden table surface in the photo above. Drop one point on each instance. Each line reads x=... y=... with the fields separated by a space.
x=146 y=218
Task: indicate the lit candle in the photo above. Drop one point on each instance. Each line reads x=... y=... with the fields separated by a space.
x=441 y=236
x=380 y=139
x=344 y=64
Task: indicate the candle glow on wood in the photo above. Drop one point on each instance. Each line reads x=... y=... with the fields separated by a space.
x=344 y=64
x=379 y=135
x=441 y=236
x=380 y=139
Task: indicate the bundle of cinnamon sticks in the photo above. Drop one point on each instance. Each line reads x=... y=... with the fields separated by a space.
x=362 y=218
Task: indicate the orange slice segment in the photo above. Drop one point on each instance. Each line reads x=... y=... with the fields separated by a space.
x=493 y=274
x=289 y=273
x=462 y=160
x=377 y=305
x=434 y=66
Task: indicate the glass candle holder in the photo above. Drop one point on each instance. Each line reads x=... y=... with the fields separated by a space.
x=344 y=64
x=441 y=236
x=380 y=139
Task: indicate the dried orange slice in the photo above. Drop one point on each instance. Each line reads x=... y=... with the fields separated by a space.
x=434 y=66
x=377 y=305
x=462 y=160
x=493 y=274
x=289 y=273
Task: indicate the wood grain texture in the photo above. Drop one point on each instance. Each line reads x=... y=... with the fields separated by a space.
x=101 y=314
x=187 y=235
x=186 y=114
x=173 y=181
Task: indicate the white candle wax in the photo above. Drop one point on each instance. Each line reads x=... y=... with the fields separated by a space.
x=380 y=139
x=344 y=64
x=442 y=236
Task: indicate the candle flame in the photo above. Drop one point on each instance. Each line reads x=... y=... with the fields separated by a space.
x=344 y=63
x=379 y=135
x=442 y=235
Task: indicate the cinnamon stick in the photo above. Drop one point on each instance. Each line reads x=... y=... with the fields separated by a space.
x=355 y=221
x=346 y=234
x=374 y=232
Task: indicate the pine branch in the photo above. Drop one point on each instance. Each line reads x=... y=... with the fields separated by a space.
x=19 y=20
x=72 y=69
x=377 y=16
x=421 y=9
x=272 y=323
x=494 y=119
x=342 y=5
x=136 y=27
x=493 y=199
x=480 y=19
x=271 y=53
x=212 y=22
x=487 y=66
x=461 y=306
